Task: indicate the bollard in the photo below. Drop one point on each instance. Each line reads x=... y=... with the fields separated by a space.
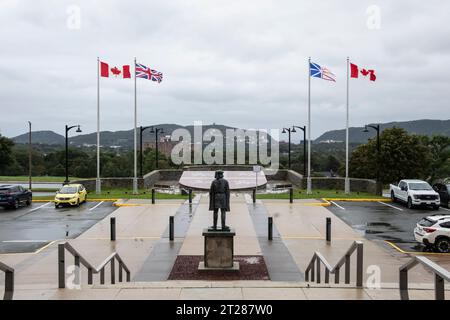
x=270 y=224
x=153 y=196
x=171 y=233
x=113 y=228
x=254 y=195
x=291 y=195
x=328 y=229
x=190 y=196
x=61 y=267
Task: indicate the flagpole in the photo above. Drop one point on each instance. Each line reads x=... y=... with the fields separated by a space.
x=97 y=181
x=135 y=183
x=308 y=181
x=347 y=180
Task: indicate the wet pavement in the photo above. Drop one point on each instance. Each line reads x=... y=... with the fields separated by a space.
x=31 y=228
x=280 y=264
x=384 y=221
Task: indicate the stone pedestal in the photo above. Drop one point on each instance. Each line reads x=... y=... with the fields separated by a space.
x=219 y=250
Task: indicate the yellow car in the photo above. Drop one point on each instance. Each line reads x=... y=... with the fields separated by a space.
x=71 y=194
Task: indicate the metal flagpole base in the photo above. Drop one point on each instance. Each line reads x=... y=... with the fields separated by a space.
x=308 y=185
x=347 y=185
x=135 y=186
x=98 y=186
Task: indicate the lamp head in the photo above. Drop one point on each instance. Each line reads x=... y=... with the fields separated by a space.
x=365 y=129
x=152 y=130
x=78 y=129
x=284 y=130
x=293 y=129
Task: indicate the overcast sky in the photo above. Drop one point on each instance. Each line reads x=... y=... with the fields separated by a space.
x=239 y=63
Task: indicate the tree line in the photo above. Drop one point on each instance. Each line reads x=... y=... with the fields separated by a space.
x=402 y=155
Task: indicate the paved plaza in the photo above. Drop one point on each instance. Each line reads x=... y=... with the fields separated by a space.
x=144 y=245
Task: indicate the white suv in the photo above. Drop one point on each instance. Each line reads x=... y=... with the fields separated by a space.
x=434 y=231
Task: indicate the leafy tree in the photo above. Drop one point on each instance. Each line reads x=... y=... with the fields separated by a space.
x=5 y=152
x=439 y=150
x=402 y=156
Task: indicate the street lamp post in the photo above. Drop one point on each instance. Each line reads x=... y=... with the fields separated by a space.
x=304 y=146
x=29 y=155
x=289 y=130
x=156 y=130
x=67 y=149
x=142 y=129
x=377 y=129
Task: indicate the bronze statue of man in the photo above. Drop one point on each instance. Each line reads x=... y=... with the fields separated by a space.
x=219 y=198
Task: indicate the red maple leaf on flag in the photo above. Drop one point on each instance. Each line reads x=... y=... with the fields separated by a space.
x=115 y=71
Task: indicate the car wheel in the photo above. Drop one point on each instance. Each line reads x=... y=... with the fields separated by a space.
x=78 y=202
x=16 y=204
x=56 y=206
x=85 y=199
x=409 y=203
x=28 y=201
x=393 y=197
x=443 y=245
x=435 y=207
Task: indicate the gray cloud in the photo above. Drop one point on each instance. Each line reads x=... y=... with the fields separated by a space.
x=241 y=63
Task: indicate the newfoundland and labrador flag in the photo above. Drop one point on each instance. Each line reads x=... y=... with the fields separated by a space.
x=321 y=72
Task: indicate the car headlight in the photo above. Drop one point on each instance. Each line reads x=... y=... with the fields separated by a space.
x=416 y=197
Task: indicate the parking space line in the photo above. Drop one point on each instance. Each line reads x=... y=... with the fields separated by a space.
x=445 y=209
x=40 y=207
x=390 y=205
x=96 y=206
x=340 y=207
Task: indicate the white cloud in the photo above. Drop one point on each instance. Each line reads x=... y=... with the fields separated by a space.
x=241 y=63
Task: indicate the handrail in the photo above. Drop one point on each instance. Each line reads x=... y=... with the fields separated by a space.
x=9 y=281
x=319 y=259
x=440 y=274
x=91 y=269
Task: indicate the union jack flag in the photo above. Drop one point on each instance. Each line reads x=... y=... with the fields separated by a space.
x=147 y=73
x=321 y=72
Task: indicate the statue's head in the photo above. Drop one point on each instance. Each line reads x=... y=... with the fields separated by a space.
x=218 y=174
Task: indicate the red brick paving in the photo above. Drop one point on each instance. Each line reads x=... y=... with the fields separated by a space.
x=250 y=268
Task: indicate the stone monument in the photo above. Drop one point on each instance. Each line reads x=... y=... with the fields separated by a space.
x=219 y=243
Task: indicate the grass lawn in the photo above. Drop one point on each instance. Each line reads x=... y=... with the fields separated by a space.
x=37 y=179
x=301 y=194
x=123 y=194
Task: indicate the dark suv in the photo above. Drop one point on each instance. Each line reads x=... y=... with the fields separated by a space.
x=13 y=196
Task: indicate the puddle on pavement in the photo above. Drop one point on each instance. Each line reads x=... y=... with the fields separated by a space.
x=375 y=228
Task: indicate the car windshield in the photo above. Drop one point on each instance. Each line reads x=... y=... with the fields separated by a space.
x=68 y=190
x=426 y=222
x=420 y=186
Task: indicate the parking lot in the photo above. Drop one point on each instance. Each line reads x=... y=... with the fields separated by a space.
x=391 y=222
x=31 y=228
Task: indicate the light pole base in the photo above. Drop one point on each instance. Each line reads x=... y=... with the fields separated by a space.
x=98 y=186
x=308 y=185
x=135 y=186
x=347 y=185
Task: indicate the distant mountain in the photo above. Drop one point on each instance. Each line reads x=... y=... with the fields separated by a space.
x=123 y=139
x=41 y=137
x=356 y=134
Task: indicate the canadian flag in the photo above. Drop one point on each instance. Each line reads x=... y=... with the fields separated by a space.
x=124 y=72
x=355 y=71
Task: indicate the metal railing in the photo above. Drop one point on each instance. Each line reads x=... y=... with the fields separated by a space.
x=440 y=274
x=9 y=281
x=91 y=269
x=314 y=267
